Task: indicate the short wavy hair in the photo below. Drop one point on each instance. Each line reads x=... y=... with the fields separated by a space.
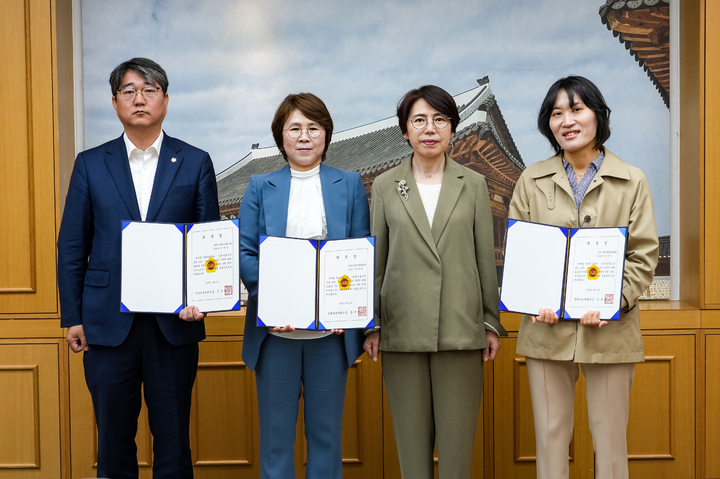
x=309 y=105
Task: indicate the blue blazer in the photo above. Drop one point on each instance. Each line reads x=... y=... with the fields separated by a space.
x=101 y=195
x=264 y=210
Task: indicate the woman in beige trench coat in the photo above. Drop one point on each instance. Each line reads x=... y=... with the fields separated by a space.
x=436 y=290
x=585 y=185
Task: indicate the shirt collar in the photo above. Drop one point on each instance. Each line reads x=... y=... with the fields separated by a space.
x=595 y=163
x=129 y=146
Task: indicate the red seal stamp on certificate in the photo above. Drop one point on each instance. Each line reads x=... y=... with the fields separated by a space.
x=344 y=282
x=362 y=310
x=211 y=265
x=593 y=272
x=609 y=298
x=228 y=290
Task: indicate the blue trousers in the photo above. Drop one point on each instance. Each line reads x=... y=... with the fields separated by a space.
x=116 y=376
x=317 y=369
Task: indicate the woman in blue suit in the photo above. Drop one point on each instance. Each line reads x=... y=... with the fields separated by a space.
x=305 y=199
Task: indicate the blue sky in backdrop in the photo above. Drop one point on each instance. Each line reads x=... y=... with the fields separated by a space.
x=230 y=63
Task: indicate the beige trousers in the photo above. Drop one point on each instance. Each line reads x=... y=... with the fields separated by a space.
x=434 y=395
x=552 y=387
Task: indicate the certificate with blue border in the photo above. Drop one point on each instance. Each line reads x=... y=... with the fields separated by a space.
x=316 y=284
x=167 y=266
x=571 y=270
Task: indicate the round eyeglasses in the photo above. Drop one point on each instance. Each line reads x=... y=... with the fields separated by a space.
x=148 y=92
x=295 y=132
x=420 y=122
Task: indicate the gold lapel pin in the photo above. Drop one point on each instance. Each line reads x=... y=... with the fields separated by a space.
x=173 y=160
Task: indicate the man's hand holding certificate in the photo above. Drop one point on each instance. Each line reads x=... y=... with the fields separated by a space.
x=567 y=273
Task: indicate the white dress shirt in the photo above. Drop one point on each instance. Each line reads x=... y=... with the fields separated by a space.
x=305 y=219
x=143 y=165
x=306 y=211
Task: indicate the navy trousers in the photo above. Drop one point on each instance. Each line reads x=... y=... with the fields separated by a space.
x=317 y=369
x=116 y=376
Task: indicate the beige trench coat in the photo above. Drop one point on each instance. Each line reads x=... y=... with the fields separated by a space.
x=619 y=195
x=435 y=289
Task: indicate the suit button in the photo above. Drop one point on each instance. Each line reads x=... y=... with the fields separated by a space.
x=587 y=219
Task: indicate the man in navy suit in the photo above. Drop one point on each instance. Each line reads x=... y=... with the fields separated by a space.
x=144 y=175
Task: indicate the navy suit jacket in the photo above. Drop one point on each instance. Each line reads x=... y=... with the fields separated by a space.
x=264 y=210
x=100 y=197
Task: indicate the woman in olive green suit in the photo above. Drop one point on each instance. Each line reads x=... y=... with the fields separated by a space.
x=436 y=290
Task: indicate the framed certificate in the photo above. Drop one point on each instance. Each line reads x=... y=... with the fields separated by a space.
x=317 y=285
x=167 y=266
x=571 y=270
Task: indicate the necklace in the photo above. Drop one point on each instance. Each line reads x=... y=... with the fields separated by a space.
x=577 y=175
x=429 y=175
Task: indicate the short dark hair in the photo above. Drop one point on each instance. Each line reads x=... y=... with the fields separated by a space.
x=309 y=105
x=589 y=94
x=148 y=69
x=436 y=97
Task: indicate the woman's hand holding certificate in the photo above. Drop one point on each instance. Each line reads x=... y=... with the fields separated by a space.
x=284 y=329
x=548 y=316
x=545 y=315
x=592 y=318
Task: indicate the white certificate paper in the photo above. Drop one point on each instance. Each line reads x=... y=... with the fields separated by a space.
x=166 y=266
x=316 y=285
x=213 y=265
x=347 y=272
x=533 y=268
x=287 y=284
x=571 y=270
x=152 y=268
x=595 y=272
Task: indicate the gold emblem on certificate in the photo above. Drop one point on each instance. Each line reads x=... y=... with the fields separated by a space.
x=211 y=265
x=344 y=282
x=593 y=272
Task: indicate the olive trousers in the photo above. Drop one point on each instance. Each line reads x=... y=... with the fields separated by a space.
x=434 y=396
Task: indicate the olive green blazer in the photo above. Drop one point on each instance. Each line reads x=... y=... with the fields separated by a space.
x=435 y=289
